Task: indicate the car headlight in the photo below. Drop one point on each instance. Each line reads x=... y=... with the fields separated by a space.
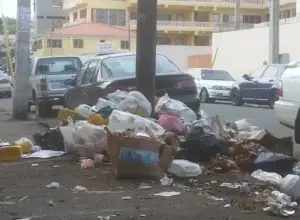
x=215 y=87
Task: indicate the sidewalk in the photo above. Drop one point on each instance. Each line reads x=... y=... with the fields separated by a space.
x=24 y=192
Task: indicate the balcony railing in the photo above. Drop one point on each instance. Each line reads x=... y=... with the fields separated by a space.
x=194 y=26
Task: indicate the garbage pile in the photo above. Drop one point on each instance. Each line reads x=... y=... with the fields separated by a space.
x=175 y=142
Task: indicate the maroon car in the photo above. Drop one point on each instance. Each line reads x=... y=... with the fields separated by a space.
x=104 y=74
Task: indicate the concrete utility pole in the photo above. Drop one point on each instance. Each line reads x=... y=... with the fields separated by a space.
x=146 y=48
x=274 y=31
x=21 y=88
x=237 y=15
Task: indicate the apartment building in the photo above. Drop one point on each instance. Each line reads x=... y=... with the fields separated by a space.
x=48 y=14
x=179 y=22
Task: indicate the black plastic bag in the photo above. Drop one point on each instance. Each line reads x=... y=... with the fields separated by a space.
x=274 y=162
x=50 y=140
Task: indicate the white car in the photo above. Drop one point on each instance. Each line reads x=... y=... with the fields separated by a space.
x=5 y=87
x=212 y=84
x=288 y=105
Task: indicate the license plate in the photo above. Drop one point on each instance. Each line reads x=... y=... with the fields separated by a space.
x=219 y=94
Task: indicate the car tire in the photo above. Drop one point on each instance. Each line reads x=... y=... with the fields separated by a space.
x=273 y=97
x=236 y=98
x=204 y=96
x=42 y=109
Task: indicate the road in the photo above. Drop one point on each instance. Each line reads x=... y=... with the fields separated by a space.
x=260 y=116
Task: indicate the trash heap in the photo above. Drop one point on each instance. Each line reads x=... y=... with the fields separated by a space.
x=122 y=130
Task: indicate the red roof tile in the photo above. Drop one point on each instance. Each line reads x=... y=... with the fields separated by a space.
x=95 y=29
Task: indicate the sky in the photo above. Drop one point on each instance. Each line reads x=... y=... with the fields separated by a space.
x=9 y=8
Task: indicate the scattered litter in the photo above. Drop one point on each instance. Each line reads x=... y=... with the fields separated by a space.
x=166 y=181
x=53 y=185
x=80 y=189
x=184 y=168
x=143 y=215
x=126 y=198
x=227 y=206
x=272 y=178
x=24 y=218
x=50 y=203
x=145 y=186
x=167 y=194
x=215 y=198
x=25 y=197
x=44 y=154
x=231 y=185
x=55 y=166
x=3 y=203
x=244 y=188
x=87 y=164
x=106 y=217
x=34 y=165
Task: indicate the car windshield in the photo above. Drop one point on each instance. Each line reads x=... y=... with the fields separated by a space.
x=58 y=65
x=125 y=65
x=216 y=75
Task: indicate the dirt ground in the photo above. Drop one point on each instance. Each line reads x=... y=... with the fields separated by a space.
x=24 y=195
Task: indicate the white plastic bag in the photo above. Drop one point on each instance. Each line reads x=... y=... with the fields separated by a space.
x=290 y=185
x=129 y=104
x=243 y=125
x=120 y=121
x=273 y=178
x=90 y=139
x=117 y=96
x=84 y=110
x=103 y=103
x=167 y=105
x=184 y=168
x=143 y=102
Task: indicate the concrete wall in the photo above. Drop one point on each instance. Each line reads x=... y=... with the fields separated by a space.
x=243 y=51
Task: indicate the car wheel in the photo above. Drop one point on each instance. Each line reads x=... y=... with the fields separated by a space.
x=204 y=97
x=42 y=109
x=236 y=98
x=273 y=97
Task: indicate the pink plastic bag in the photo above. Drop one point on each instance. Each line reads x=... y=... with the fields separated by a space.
x=171 y=123
x=87 y=164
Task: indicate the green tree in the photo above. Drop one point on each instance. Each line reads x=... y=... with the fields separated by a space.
x=11 y=24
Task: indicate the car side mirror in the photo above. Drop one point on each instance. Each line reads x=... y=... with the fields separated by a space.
x=297 y=130
x=70 y=82
x=246 y=77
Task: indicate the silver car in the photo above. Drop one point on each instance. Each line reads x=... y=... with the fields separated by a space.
x=47 y=80
x=5 y=86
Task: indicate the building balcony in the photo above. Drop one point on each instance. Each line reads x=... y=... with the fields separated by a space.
x=68 y=4
x=255 y=4
x=181 y=26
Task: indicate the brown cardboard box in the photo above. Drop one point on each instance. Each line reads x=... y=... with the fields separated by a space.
x=133 y=157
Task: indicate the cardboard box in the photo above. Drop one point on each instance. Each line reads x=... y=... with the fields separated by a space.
x=133 y=157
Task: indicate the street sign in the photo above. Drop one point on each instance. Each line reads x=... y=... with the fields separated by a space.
x=103 y=48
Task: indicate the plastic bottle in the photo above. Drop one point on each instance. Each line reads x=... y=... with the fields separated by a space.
x=10 y=153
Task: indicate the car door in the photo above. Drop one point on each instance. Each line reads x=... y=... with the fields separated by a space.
x=267 y=80
x=87 y=82
x=249 y=87
x=74 y=93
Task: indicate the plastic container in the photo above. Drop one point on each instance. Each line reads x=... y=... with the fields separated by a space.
x=97 y=119
x=10 y=153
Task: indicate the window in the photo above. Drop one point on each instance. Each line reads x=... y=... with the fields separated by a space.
x=285 y=14
x=104 y=73
x=270 y=72
x=228 y=18
x=201 y=16
x=89 y=72
x=116 y=17
x=57 y=24
x=40 y=44
x=215 y=17
x=257 y=73
x=77 y=43
x=164 y=17
x=102 y=41
x=124 y=44
x=80 y=75
x=83 y=13
x=216 y=75
x=94 y=78
x=75 y=16
x=293 y=12
x=163 y=41
x=252 y=19
x=179 y=17
x=133 y=15
x=57 y=3
x=54 y=44
x=58 y=65
x=202 y=41
x=179 y=41
x=125 y=65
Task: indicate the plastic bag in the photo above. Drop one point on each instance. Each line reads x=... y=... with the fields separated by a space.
x=290 y=185
x=184 y=168
x=26 y=144
x=120 y=121
x=167 y=105
x=84 y=110
x=273 y=178
x=203 y=114
x=296 y=169
x=103 y=103
x=243 y=125
x=144 y=105
x=274 y=162
x=171 y=123
x=129 y=104
x=117 y=96
x=90 y=139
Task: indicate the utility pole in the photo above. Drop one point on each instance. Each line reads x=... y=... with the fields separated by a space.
x=129 y=32
x=146 y=48
x=237 y=15
x=274 y=31
x=21 y=88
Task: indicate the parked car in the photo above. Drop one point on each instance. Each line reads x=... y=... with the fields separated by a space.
x=287 y=108
x=47 y=80
x=259 y=87
x=5 y=87
x=107 y=73
x=212 y=84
